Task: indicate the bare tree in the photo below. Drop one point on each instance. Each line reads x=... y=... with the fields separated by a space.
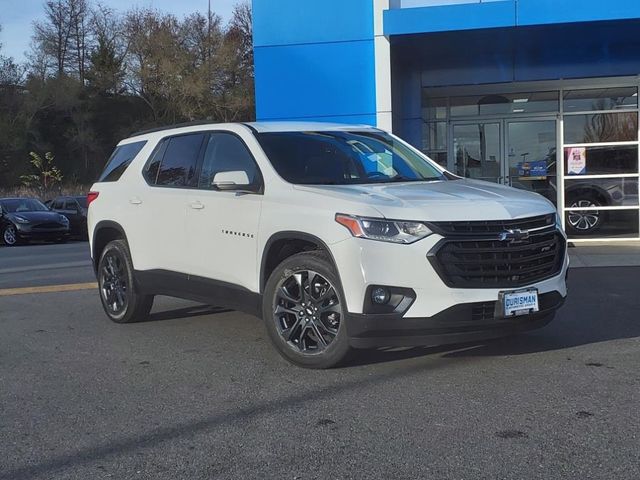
x=80 y=35
x=52 y=36
x=238 y=87
x=106 y=66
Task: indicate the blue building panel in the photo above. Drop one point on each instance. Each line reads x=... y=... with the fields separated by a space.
x=321 y=81
x=315 y=59
x=505 y=13
x=579 y=50
x=286 y=22
x=443 y=18
x=540 y=12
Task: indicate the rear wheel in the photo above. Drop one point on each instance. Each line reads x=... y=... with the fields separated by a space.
x=120 y=301
x=304 y=310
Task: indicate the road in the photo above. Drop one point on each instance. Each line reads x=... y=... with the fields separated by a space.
x=198 y=393
x=45 y=264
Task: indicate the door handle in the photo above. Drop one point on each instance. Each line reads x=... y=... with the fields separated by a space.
x=135 y=201
x=197 y=205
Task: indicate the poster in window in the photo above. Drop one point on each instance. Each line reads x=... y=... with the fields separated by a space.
x=534 y=170
x=576 y=160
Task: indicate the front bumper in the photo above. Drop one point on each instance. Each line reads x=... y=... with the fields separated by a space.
x=456 y=324
x=26 y=232
x=440 y=314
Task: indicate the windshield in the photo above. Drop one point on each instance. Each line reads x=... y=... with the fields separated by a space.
x=345 y=158
x=17 y=205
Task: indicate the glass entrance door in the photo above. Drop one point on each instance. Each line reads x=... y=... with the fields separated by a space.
x=477 y=150
x=520 y=153
x=530 y=162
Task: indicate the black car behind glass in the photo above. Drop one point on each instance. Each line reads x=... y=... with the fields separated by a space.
x=75 y=209
x=25 y=219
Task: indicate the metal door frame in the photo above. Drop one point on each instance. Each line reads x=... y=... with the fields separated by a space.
x=451 y=156
x=548 y=118
x=503 y=124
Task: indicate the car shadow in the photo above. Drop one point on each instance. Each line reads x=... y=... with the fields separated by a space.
x=602 y=305
x=185 y=312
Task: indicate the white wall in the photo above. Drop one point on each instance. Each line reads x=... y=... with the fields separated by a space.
x=383 y=67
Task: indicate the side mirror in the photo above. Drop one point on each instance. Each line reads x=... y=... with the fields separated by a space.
x=235 y=180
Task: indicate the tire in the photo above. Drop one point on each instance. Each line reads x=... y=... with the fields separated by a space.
x=584 y=223
x=116 y=285
x=308 y=329
x=10 y=236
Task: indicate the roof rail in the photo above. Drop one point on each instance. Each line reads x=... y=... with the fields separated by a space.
x=169 y=127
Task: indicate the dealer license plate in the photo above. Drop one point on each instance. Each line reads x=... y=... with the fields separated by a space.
x=520 y=302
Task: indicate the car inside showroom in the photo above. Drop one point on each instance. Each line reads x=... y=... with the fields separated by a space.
x=535 y=94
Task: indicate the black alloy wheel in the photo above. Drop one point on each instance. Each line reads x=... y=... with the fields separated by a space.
x=307 y=311
x=304 y=311
x=114 y=283
x=120 y=300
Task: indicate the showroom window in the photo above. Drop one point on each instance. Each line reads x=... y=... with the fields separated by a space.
x=576 y=145
x=434 y=129
x=601 y=163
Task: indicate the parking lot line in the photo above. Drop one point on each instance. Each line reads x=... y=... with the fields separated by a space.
x=48 y=289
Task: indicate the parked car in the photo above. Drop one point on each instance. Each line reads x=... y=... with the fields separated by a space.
x=75 y=209
x=339 y=236
x=24 y=219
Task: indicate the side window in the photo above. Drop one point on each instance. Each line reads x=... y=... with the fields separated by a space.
x=57 y=205
x=70 y=205
x=120 y=159
x=178 y=165
x=151 y=170
x=225 y=153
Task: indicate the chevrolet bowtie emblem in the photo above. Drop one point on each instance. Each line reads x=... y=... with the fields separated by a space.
x=514 y=235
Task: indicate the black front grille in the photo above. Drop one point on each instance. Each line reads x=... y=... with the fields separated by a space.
x=481 y=260
x=47 y=226
x=489 y=227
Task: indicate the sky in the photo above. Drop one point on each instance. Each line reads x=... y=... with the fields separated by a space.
x=17 y=16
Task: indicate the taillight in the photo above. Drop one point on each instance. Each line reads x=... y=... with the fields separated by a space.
x=91 y=196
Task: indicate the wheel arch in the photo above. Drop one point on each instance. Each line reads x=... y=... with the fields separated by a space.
x=282 y=245
x=595 y=190
x=104 y=232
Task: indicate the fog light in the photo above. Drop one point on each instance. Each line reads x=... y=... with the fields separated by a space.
x=380 y=296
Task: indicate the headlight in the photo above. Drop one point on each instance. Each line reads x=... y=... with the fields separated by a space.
x=64 y=220
x=21 y=219
x=558 y=221
x=395 y=231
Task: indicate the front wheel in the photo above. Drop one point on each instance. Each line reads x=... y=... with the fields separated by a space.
x=584 y=222
x=10 y=236
x=304 y=311
x=120 y=301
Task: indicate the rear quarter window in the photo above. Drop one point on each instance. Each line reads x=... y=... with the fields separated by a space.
x=120 y=159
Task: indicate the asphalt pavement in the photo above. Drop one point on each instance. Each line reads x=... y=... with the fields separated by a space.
x=198 y=393
x=45 y=264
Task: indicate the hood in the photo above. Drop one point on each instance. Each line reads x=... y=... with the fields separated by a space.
x=442 y=200
x=36 y=217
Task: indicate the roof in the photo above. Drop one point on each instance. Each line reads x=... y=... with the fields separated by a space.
x=263 y=127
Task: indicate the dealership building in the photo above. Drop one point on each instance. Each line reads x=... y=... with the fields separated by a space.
x=537 y=94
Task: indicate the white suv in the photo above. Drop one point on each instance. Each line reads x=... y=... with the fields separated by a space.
x=339 y=236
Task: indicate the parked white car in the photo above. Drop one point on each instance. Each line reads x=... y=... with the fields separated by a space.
x=338 y=236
